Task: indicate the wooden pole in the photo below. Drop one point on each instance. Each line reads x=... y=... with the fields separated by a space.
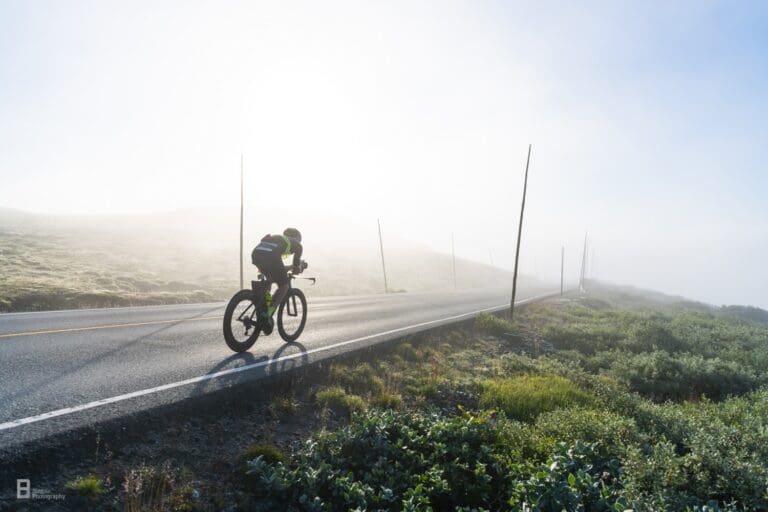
x=583 y=275
x=562 y=267
x=383 y=266
x=241 y=221
x=519 y=235
x=453 y=256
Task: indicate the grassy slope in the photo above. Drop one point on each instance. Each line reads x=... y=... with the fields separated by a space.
x=654 y=405
x=55 y=263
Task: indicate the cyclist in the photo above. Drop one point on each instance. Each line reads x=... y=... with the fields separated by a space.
x=267 y=256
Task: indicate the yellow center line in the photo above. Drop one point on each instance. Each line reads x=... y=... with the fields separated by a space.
x=110 y=326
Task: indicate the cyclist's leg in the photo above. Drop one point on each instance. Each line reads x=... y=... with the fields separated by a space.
x=281 y=279
x=271 y=265
x=262 y=261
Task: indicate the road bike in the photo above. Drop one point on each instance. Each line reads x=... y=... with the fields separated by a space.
x=245 y=317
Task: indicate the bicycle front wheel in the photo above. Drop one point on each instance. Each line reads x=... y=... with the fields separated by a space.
x=292 y=315
x=241 y=327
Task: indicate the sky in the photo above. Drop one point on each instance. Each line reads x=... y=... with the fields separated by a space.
x=647 y=122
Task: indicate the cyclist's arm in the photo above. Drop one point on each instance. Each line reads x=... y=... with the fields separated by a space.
x=297 y=250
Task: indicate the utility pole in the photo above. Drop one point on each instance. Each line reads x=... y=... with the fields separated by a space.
x=562 y=267
x=519 y=234
x=583 y=275
x=383 y=266
x=241 y=221
x=453 y=256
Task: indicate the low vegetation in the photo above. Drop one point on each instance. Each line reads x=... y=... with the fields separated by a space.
x=632 y=408
x=591 y=403
x=90 y=486
x=338 y=400
x=524 y=397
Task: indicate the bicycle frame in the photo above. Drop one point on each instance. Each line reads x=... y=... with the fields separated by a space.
x=262 y=286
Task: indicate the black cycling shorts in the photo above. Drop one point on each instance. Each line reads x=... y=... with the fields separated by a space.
x=271 y=265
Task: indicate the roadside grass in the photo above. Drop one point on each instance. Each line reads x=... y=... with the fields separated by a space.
x=524 y=397
x=338 y=400
x=360 y=378
x=269 y=452
x=285 y=405
x=386 y=400
x=90 y=486
x=493 y=324
x=148 y=488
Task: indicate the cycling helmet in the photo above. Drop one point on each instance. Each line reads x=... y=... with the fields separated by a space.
x=292 y=233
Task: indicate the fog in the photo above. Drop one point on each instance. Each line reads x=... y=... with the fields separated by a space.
x=646 y=122
x=118 y=259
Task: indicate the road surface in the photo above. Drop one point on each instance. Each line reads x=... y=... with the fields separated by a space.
x=66 y=369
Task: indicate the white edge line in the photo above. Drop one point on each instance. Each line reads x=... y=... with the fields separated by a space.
x=210 y=376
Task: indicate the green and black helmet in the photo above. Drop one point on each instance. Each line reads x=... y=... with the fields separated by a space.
x=292 y=233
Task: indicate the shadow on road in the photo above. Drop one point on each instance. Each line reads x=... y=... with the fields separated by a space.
x=245 y=358
x=282 y=362
x=285 y=358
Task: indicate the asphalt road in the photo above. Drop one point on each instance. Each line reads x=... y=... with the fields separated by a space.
x=65 y=369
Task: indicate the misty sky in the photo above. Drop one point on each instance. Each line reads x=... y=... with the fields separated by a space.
x=647 y=119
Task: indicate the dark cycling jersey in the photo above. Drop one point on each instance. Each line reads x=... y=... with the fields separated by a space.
x=278 y=246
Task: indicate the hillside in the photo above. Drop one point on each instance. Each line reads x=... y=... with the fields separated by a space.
x=54 y=262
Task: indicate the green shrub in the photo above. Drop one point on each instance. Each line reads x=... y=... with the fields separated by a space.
x=613 y=432
x=268 y=452
x=662 y=376
x=338 y=399
x=407 y=352
x=284 y=406
x=429 y=386
x=587 y=337
x=418 y=461
x=574 y=478
x=526 y=396
x=386 y=400
x=492 y=324
x=360 y=378
x=653 y=334
x=91 y=486
x=656 y=477
x=513 y=364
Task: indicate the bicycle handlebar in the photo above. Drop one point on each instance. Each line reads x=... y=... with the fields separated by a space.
x=304 y=266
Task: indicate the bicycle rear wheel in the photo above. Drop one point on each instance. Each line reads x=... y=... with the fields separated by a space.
x=292 y=315
x=241 y=326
